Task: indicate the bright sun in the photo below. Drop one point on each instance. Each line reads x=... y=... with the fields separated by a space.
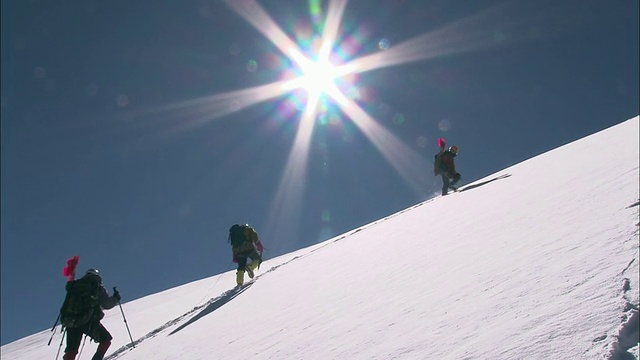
x=318 y=78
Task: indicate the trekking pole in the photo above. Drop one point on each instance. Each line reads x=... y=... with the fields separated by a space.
x=125 y=320
x=53 y=329
x=82 y=348
x=60 y=346
x=56 y=323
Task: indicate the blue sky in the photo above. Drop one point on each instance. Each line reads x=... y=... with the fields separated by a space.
x=94 y=163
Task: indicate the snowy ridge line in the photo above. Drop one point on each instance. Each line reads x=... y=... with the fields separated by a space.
x=471 y=186
x=366 y=226
x=388 y=217
x=363 y=227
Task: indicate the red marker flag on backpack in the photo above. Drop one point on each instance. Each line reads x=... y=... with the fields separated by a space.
x=70 y=270
x=441 y=144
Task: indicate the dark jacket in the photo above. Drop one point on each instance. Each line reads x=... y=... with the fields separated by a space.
x=105 y=301
x=444 y=163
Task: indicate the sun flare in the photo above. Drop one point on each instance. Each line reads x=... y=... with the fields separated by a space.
x=318 y=77
x=315 y=73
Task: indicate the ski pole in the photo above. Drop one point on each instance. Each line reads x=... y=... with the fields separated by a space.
x=56 y=323
x=53 y=329
x=60 y=346
x=125 y=320
x=82 y=348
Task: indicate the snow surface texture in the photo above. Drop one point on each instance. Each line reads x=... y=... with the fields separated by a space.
x=538 y=261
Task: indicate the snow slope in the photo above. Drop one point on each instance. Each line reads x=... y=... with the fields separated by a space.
x=538 y=261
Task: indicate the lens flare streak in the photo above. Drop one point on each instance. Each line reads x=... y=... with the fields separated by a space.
x=406 y=162
x=205 y=109
x=284 y=212
x=255 y=15
x=332 y=24
x=476 y=32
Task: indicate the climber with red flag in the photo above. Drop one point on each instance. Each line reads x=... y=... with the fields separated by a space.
x=444 y=166
x=81 y=311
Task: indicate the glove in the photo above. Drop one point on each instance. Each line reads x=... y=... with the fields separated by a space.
x=235 y=259
x=116 y=294
x=259 y=246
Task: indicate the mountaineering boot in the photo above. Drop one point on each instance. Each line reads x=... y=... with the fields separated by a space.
x=454 y=179
x=249 y=271
x=240 y=277
x=102 y=349
x=252 y=267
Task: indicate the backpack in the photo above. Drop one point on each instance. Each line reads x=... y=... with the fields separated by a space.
x=240 y=235
x=437 y=163
x=443 y=162
x=237 y=236
x=80 y=304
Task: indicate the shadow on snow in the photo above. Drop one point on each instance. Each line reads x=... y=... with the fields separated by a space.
x=484 y=182
x=215 y=305
x=207 y=308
